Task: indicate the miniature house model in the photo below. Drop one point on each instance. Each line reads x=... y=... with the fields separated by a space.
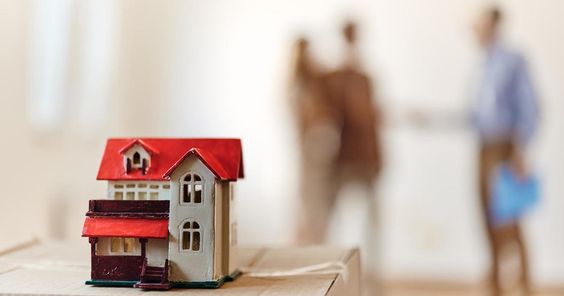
x=168 y=219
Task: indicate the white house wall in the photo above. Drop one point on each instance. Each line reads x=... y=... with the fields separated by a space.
x=232 y=236
x=156 y=252
x=188 y=265
x=225 y=238
x=219 y=257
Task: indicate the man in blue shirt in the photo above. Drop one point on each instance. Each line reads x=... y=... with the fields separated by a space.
x=505 y=115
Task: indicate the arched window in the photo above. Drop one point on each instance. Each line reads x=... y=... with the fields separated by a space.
x=191 y=236
x=191 y=189
x=136 y=158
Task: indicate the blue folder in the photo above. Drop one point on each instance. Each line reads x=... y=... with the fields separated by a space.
x=512 y=197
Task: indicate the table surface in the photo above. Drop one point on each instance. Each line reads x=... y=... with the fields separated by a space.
x=62 y=267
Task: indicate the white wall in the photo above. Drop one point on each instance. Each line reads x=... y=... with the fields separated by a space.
x=423 y=54
x=218 y=68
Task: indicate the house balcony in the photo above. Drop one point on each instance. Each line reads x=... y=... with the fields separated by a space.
x=154 y=209
x=126 y=218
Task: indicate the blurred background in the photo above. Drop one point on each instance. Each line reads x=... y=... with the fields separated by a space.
x=77 y=72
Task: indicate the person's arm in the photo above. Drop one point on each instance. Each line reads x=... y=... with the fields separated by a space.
x=525 y=104
x=526 y=112
x=440 y=119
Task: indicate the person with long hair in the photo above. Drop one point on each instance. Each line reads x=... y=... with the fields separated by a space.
x=317 y=140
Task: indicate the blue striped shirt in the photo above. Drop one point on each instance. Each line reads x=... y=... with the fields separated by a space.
x=505 y=105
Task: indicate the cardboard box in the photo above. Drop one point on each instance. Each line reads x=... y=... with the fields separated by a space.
x=61 y=268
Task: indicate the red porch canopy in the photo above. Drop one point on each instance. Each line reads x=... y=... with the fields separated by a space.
x=125 y=227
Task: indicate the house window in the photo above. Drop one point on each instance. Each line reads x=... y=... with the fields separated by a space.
x=120 y=245
x=129 y=245
x=191 y=236
x=136 y=159
x=116 y=244
x=140 y=191
x=192 y=188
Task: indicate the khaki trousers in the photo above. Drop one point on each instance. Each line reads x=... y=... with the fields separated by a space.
x=499 y=237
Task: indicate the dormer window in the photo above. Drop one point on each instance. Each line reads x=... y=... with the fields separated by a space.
x=136 y=158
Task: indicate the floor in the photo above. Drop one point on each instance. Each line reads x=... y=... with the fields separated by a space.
x=437 y=289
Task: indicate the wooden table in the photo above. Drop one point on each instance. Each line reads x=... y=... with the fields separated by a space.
x=62 y=267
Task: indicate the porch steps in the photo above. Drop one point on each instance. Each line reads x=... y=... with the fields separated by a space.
x=153 y=277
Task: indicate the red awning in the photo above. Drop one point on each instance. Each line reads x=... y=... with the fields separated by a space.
x=123 y=227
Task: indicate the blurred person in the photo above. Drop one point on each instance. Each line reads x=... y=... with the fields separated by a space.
x=317 y=143
x=348 y=90
x=505 y=115
x=338 y=122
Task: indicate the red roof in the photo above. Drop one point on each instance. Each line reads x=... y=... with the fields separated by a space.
x=223 y=157
x=124 y=227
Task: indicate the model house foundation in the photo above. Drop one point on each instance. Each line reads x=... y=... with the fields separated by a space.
x=168 y=218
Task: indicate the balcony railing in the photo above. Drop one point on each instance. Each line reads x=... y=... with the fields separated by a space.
x=129 y=208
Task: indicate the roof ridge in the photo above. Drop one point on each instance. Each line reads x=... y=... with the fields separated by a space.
x=216 y=169
x=139 y=141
